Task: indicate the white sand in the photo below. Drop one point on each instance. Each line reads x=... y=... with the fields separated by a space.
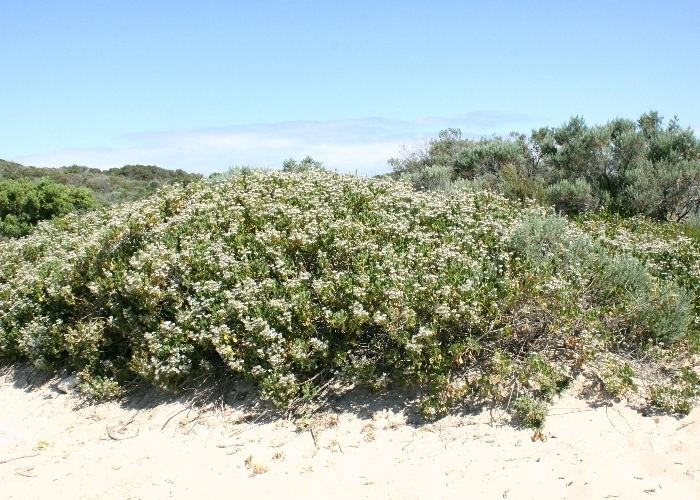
x=361 y=451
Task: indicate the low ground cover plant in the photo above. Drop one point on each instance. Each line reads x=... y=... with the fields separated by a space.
x=295 y=279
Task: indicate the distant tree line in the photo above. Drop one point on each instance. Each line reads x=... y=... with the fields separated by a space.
x=32 y=194
x=115 y=185
x=643 y=167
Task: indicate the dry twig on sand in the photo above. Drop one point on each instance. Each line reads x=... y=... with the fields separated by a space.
x=121 y=429
x=25 y=472
x=17 y=458
x=172 y=417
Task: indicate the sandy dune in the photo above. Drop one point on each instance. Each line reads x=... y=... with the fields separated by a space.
x=51 y=446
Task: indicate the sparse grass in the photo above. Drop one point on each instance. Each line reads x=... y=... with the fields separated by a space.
x=255 y=467
x=369 y=430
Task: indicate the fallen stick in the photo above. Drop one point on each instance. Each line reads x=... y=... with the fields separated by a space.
x=313 y=436
x=17 y=458
x=171 y=417
x=25 y=472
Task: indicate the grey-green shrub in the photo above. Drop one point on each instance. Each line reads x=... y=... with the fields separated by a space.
x=571 y=197
x=656 y=310
x=434 y=178
x=531 y=412
x=626 y=167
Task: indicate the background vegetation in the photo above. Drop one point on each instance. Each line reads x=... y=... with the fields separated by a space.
x=115 y=185
x=23 y=203
x=630 y=168
x=31 y=194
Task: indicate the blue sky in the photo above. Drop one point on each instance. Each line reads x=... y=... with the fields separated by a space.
x=209 y=84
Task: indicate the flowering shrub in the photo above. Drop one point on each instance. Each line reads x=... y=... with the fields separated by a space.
x=291 y=279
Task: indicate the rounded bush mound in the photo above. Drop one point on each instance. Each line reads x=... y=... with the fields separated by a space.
x=293 y=279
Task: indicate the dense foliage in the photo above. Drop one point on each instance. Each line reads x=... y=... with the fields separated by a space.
x=292 y=279
x=626 y=167
x=23 y=203
x=304 y=165
x=115 y=185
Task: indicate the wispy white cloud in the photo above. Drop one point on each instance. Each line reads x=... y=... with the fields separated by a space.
x=361 y=145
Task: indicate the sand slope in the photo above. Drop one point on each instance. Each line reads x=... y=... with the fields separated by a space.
x=160 y=448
